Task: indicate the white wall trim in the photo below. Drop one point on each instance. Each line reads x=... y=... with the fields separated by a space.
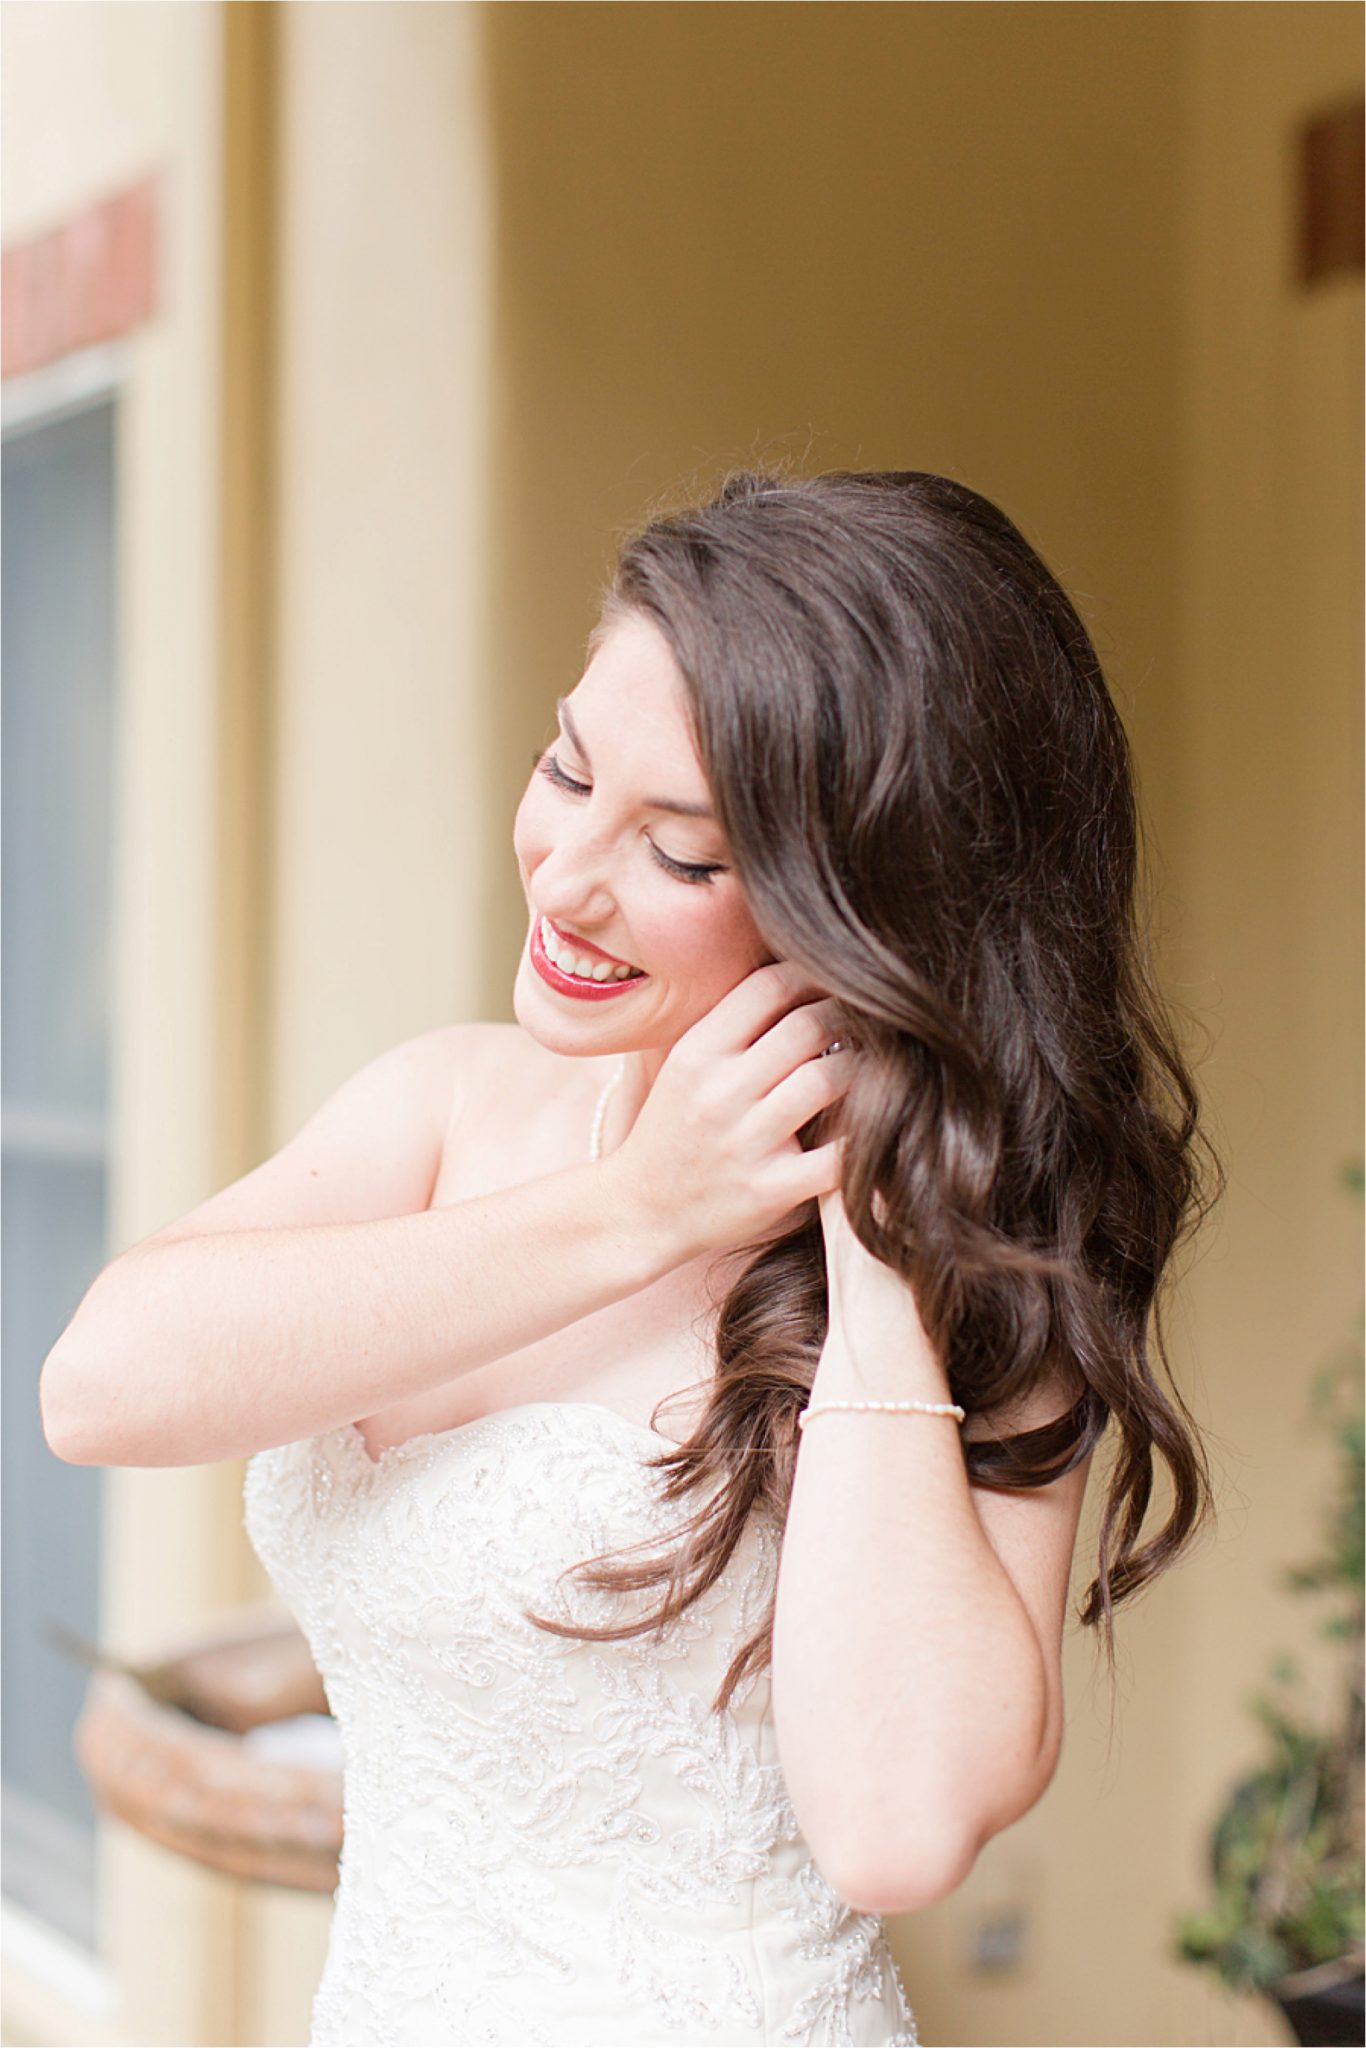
x=84 y=378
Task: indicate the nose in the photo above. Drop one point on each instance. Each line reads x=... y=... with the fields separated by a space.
x=572 y=882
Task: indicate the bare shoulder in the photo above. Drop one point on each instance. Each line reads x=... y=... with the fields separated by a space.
x=371 y=1149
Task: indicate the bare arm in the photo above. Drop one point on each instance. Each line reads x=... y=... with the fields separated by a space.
x=321 y=1287
x=941 y=1605
x=201 y=1344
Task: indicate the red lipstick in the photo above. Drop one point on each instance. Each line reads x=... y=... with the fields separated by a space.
x=573 y=985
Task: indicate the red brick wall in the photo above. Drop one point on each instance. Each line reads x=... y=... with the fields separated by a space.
x=87 y=280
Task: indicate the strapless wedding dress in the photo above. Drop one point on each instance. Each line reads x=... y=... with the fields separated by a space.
x=549 y=1843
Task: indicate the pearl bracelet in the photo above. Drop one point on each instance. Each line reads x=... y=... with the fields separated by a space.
x=900 y=1407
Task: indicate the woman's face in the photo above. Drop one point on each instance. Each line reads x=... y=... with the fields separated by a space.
x=626 y=862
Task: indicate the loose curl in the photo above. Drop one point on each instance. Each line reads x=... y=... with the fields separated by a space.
x=928 y=799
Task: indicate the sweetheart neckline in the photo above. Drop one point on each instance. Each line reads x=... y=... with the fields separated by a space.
x=350 y=1432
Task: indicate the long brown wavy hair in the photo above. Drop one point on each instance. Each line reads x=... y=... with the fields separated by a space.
x=929 y=801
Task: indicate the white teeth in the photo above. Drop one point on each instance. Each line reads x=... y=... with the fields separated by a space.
x=581 y=965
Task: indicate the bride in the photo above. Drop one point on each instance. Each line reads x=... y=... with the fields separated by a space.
x=668 y=1415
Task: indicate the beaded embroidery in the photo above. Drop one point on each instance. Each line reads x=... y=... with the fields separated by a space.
x=549 y=1843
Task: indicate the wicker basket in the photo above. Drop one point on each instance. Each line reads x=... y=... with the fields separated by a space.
x=164 y=1750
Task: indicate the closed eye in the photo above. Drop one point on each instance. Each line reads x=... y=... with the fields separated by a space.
x=686 y=871
x=553 y=772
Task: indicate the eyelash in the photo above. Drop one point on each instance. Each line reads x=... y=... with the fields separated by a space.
x=686 y=871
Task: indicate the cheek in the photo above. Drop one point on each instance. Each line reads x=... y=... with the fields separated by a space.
x=715 y=942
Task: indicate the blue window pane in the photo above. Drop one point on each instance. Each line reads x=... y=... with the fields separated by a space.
x=57 y=605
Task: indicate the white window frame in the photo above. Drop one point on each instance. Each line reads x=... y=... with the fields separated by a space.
x=52 y=1981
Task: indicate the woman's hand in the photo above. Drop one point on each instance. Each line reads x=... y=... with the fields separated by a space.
x=714 y=1151
x=870 y=1305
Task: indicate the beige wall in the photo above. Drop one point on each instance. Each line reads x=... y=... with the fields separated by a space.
x=380 y=771
x=1268 y=756
x=100 y=81
x=520 y=270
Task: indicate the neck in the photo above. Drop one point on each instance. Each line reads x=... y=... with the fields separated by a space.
x=628 y=1097
x=624 y=1098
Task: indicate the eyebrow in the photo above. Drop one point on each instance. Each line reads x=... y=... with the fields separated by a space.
x=655 y=803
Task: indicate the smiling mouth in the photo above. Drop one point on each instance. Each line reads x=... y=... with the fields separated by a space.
x=576 y=961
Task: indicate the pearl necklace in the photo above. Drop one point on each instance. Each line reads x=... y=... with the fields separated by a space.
x=595 y=1149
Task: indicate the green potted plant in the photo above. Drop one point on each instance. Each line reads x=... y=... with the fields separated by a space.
x=1286 y=1850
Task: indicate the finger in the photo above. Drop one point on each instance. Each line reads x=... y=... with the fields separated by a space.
x=819 y=1171
x=803 y=1033
x=811 y=1088
x=756 y=1002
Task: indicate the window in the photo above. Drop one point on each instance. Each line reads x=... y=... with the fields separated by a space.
x=56 y=721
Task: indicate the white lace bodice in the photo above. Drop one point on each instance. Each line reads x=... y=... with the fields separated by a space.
x=549 y=1843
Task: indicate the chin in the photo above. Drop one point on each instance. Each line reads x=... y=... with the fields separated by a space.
x=578 y=1036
